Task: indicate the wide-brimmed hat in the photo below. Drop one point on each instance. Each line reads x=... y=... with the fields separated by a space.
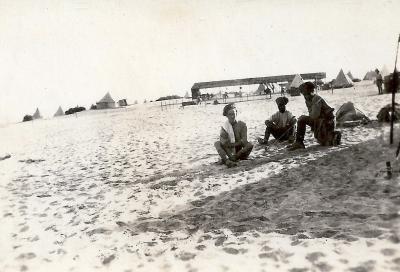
x=282 y=100
x=227 y=108
x=307 y=88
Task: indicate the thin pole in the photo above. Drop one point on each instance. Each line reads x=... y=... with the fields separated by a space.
x=394 y=89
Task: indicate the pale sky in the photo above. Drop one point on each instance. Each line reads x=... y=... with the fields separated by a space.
x=71 y=53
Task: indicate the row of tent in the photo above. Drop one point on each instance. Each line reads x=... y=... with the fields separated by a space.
x=107 y=102
x=342 y=80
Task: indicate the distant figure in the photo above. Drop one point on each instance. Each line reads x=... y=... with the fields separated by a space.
x=224 y=97
x=281 y=124
x=283 y=91
x=379 y=81
x=267 y=91
x=233 y=144
x=198 y=100
x=320 y=119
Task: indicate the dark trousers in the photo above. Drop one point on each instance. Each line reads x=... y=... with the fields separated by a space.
x=242 y=152
x=380 y=90
x=323 y=129
x=279 y=133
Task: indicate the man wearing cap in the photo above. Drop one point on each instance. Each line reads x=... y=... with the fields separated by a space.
x=320 y=119
x=281 y=124
x=233 y=144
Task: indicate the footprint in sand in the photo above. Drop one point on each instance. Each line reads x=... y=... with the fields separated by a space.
x=313 y=257
x=27 y=256
x=298 y=269
x=396 y=261
x=200 y=247
x=108 y=259
x=186 y=256
x=24 y=229
x=231 y=250
x=220 y=240
x=269 y=255
x=388 y=251
x=323 y=267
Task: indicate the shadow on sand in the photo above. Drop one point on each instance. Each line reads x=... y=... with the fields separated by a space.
x=343 y=195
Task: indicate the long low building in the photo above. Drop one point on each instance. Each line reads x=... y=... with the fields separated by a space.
x=249 y=81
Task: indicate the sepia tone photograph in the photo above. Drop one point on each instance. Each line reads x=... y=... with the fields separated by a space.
x=188 y=135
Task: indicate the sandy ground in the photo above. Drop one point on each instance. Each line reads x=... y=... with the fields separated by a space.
x=138 y=189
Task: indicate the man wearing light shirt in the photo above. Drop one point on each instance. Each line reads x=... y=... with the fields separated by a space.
x=281 y=124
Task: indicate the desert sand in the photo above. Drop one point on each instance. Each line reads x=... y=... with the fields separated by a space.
x=139 y=189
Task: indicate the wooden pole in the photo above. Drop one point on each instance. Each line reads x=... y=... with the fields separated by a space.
x=394 y=89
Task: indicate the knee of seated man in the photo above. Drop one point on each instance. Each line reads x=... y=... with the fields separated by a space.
x=217 y=144
x=269 y=123
x=302 y=118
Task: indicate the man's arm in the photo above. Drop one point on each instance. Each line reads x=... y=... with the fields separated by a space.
x=316 y=108
x=243 y=136
x=224 y=139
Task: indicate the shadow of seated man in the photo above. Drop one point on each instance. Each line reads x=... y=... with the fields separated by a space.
x=233 y=145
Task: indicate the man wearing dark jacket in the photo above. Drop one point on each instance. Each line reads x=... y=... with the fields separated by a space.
x=320 y=120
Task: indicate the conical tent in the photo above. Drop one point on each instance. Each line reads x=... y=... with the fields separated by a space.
x=296 y=82
x=107 y=99
x=342 y=80
x=37 y=115
x=371 y=75
x=350 y=75
x=384 y=71
x=59 y=112
x=106 y=102
x=260 y=89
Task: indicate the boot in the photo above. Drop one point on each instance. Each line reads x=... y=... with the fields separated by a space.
x=296 y=145
x=230 y=163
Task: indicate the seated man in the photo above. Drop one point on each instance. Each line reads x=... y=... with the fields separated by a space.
x=233 y=144
x=280 y=124
x=320 y=119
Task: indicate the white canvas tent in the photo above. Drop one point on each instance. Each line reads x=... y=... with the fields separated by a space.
x=37 y=114
x=371 y=75
x=260 y=89
x=59 y=112
x=342 y=80
x=106 y=102
x=296 y=82
x=350 y=75
x=384 y=71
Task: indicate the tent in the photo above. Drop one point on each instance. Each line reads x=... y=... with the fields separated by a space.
x=106 y=102
x=260 y=89
x=384 y=71
x=342 y=81
x=296 y=82
x=37 y=114
x=59 y=112
x=350 y=75
x=348 y=116
x=371 y=75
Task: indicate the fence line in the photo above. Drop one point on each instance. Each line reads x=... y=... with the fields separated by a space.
x=166 y=104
